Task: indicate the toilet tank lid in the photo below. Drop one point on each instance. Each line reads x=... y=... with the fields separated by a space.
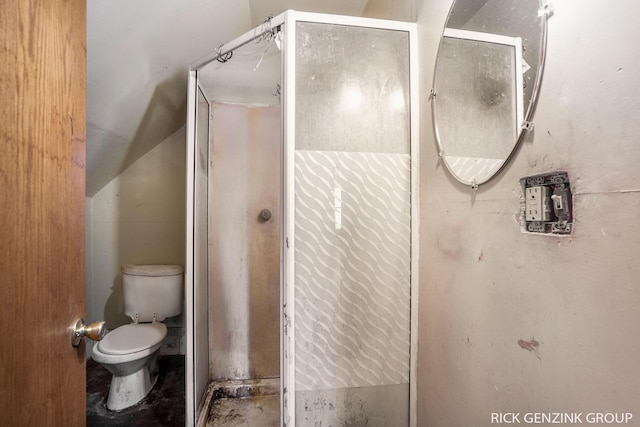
x=152 y=270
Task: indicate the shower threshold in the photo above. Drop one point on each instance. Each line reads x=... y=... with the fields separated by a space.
x=254 y=402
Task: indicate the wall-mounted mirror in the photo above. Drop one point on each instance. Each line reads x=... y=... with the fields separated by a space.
x=488 y=71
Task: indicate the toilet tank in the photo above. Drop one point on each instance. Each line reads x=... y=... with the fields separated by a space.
x=152 y=290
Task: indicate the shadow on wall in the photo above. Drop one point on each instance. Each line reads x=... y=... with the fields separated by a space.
x=164 y=115
x=147 y=223
x=113 y=308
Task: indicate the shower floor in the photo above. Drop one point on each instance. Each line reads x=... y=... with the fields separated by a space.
x=258 y=411
x=253 y=403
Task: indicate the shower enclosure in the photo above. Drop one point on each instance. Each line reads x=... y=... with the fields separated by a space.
x=302 y=219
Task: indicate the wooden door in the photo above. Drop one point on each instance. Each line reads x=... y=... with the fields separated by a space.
x=42 y=186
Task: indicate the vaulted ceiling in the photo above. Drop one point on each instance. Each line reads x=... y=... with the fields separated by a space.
x=138 y=54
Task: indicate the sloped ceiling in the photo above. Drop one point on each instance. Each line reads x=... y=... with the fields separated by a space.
x=261 y=9
x=138 y=54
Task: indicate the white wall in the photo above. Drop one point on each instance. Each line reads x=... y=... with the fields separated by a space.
x=88 y=270
x=138 y=218
x=485 y=285
x=138 y=55
x=398 y=10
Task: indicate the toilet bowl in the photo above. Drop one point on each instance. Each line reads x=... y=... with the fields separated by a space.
x=129 y=352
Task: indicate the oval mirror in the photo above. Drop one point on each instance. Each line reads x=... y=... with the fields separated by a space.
x=488 y=70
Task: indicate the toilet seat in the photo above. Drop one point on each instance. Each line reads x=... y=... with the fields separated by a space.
x=132 y=338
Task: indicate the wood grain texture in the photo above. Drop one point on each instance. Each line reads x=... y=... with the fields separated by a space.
x=42 y=183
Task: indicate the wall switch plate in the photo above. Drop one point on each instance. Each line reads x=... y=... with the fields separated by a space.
x=547 y=205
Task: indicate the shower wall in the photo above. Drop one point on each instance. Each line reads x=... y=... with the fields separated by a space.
x=352 y=225
x=244 y=250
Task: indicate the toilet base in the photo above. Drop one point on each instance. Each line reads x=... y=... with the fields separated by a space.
x=126 y=391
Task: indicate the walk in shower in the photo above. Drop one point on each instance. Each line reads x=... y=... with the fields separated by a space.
x=302 y=220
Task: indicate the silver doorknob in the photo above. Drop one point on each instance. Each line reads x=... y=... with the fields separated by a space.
x=94 y=331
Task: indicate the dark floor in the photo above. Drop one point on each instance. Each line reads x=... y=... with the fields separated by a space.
x=235 y=403
x=163 y=406
x=252 y=411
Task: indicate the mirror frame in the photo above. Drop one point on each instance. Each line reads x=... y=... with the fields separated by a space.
x=545 y=11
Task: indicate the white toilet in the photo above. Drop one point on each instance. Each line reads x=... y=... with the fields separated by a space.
x=151 y=293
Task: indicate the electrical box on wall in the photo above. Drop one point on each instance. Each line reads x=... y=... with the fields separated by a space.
x=547 y=204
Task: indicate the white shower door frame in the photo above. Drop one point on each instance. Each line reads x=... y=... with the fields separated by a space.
x=288 y=20
x=192 y=88
x=193 y=372
x=288 y=379
x=196 y=256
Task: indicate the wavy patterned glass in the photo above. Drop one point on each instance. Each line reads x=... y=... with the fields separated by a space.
x=352 y=226
x=352 y=268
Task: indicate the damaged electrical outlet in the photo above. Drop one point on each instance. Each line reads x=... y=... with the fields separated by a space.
x=547 y=204
x=537 y=206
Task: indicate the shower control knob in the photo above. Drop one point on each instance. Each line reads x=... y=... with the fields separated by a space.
x=265 y=214
x=95 y=331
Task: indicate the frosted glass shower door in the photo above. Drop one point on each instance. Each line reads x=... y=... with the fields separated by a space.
x=196 y=265
x=348 y=312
